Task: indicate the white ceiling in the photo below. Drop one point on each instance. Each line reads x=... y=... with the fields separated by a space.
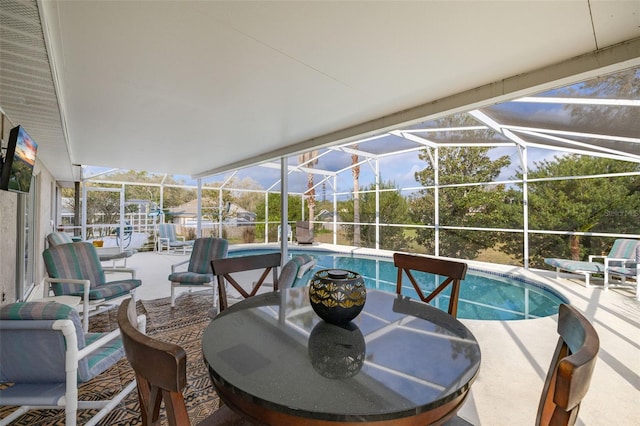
x=193 y=87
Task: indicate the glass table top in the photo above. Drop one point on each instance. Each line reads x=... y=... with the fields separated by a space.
x=397 y=358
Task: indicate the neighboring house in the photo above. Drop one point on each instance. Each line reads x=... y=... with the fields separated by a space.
x=187 y=214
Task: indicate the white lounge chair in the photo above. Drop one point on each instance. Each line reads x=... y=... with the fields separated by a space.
x=622 y=251
x=629 y=270
x=168 y=238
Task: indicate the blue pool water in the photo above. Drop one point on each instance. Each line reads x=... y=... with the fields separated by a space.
x=484 y=295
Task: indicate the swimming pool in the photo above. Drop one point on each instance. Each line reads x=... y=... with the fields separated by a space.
x=484 y=294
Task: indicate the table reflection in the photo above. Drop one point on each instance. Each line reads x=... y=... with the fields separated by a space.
x=336 y=351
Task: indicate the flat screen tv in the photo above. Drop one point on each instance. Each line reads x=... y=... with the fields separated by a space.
x=19 y=160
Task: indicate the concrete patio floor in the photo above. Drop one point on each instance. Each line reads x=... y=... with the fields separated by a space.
x=516 y=354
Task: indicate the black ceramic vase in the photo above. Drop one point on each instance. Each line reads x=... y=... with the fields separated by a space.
x=336 y=295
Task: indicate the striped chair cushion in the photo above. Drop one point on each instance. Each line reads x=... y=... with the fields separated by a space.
x=57 y=238
x=43 y=311
x=190 y=278
x=180 y=243
x=112 y=289
x=297 y=272
x=576 y=265
x=32 y=352
x=102 y=359
x=623 y=249
x=75 y=261
x=626 y=272
x=204 y=251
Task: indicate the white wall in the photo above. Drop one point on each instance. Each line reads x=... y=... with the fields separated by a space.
x=8 y=232
x=43 y=210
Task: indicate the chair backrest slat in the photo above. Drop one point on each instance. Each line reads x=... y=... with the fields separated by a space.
x=452 y=271
x=223 y=268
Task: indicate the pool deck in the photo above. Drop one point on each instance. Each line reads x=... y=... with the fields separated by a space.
x=515 y=354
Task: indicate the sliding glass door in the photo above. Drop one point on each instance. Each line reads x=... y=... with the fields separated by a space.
x=26 y=243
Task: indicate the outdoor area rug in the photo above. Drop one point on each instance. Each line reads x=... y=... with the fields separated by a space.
x=182 y=325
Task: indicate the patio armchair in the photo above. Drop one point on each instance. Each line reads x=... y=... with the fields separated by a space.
x=45 y=356
x=622 y=251
x=169 y=240
x=198 y=273
x=75 y=270
x=629 y=270
x=452 y=272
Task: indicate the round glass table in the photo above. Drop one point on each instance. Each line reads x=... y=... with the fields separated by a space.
x=400 y=362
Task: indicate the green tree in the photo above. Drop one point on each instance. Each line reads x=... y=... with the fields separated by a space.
x=393 y=209
x=309 y=160
x=214 y=209
x=355 y=173
x=104 y=207
x=248 y=200
x=295 y=213
x=469 y=206
x=580 y=205
x=173 y=196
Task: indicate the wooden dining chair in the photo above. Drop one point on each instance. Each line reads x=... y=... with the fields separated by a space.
x=160 y=370
x=453 y=272
x=223 y=268
x=569 y=374
x=570 y=371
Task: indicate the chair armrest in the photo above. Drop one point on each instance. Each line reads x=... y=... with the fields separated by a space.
x=175 y=265
x=617 y=259
x=181 y=238
x=85 y=295
x=85 y=283
x=98 y=343
x=163 y=241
